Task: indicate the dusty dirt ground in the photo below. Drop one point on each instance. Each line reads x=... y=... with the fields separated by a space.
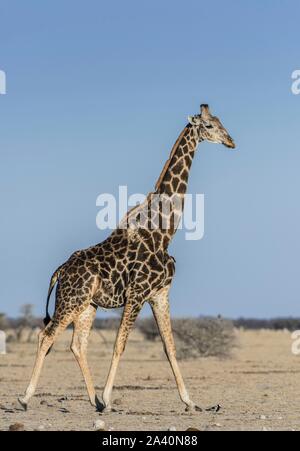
x=258 y=388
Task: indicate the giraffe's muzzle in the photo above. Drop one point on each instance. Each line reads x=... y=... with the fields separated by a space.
x=230 y=144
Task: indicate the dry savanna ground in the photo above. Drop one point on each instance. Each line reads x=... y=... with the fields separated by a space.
x=258 y=387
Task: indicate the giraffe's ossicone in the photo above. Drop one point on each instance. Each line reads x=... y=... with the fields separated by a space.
x=131 y=267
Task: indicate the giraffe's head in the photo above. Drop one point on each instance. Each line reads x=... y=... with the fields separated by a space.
x=210 y=128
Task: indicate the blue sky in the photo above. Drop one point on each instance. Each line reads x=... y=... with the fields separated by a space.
x=97 y=93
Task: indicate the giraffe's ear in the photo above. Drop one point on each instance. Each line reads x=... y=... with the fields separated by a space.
x=194 y=120
x=205 y=113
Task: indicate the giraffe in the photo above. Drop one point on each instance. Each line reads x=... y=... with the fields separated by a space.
x=131 y=267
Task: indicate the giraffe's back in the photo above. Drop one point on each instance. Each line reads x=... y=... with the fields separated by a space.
x=108 y=271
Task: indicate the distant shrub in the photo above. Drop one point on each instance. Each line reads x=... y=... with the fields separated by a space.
x=204 y=337
x=148 y=328
x=16 y=323
x=110 y=323
x=290 y=324
x=3 y=321
x=194 y=338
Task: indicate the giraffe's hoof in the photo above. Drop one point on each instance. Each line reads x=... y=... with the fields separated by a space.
x=214 y=409
x=102 y=408
x=98 y=404
x=23 y=404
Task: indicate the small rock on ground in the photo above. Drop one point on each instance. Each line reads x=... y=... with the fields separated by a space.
x=16 y=427
x=99 y=425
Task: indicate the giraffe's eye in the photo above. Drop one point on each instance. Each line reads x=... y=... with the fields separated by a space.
x=208 y=126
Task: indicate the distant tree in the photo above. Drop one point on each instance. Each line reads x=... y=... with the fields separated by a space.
x=3 y=321
x=27 y=318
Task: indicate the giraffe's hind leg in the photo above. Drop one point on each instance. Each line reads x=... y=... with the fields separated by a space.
x=73 y=297
x=46 y=340
x=82 y=328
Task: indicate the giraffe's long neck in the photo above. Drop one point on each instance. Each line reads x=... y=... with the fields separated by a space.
x=160 y=213
x=173 y=180
x=175 y=175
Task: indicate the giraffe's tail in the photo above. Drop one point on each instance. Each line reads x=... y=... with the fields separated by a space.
x=53 y=281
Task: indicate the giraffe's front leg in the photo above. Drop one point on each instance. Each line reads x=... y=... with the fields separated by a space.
x=161 y=312
x=130 y=313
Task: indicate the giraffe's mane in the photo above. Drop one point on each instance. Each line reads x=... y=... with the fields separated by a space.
x=167 y=163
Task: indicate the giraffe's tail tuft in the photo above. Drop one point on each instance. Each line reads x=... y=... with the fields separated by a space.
x=47 y=320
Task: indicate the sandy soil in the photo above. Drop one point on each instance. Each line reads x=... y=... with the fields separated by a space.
x=258 y=388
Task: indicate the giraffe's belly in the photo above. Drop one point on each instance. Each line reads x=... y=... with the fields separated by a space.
x=110 y=296
x=143 y=280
